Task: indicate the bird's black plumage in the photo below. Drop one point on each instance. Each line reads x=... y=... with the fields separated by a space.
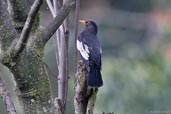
x=90 y=51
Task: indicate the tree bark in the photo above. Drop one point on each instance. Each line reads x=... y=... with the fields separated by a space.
x=18 y=10
x=84 y=96
x=4 y=93
x=80 y=88
x=61 y=51
x=77 y=9
x=91 y=101
x=33 y=84
x=27 y=66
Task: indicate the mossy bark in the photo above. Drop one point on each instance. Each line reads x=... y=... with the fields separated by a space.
x=32 y=83
x=84 y=96
x=33 y=88
x=27 y=67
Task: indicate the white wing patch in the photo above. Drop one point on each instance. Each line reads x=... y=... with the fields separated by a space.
x=83 y=50
x=100 y=50
x=86 y=48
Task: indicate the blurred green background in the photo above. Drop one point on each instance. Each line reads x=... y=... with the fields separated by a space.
x=136 y=42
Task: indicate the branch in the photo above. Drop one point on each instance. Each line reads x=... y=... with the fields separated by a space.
x=58 y=106
x=50 y=7
x=80 y=89
x=61 y=51
x=7 y=30
x=76 y=31
x=4 y=93
x=84 y=96
x=18 y=10
x=21 y=43
x=66 y=36
x=57 y=21
x=92 y=100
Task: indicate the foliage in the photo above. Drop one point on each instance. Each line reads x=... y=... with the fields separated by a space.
x=135 y=84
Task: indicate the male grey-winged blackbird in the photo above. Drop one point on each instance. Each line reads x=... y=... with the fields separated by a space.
x=90 y=50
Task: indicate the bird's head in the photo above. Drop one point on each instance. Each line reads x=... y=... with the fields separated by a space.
x=90 y=25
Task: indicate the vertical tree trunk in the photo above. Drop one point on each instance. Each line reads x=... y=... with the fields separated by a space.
x=33 y=84
x=4 y=93
x=80 y=88
x=76 y=33
x=84 y=96
x=23 y=54
x=62 y=36
x=33 y=88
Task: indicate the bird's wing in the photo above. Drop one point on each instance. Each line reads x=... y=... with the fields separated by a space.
x=90 y=49
x=83 y=49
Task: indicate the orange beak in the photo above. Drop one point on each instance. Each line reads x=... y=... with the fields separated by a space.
x=82 y=21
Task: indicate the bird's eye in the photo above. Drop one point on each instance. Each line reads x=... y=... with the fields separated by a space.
x=87 y=23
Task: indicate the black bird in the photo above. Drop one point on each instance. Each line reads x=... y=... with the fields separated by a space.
x=90 y=50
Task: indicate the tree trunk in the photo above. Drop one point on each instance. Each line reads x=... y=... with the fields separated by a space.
x=84 y=96
x=4 y=93
x=32 y=80
x=32 y=84
x=21 y=50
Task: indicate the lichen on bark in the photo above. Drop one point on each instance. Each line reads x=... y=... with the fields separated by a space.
x=33 y=87
x=26 y=64
x=32 y=80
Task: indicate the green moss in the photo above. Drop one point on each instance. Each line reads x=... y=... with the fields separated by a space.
x=5 y=37
x=34 y=83
x=20 y=15
x=36 y=23
x=6 y=59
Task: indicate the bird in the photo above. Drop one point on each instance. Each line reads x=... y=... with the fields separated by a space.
x=90 y=50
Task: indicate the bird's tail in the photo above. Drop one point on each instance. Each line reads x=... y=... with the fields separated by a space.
x=94 y=76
